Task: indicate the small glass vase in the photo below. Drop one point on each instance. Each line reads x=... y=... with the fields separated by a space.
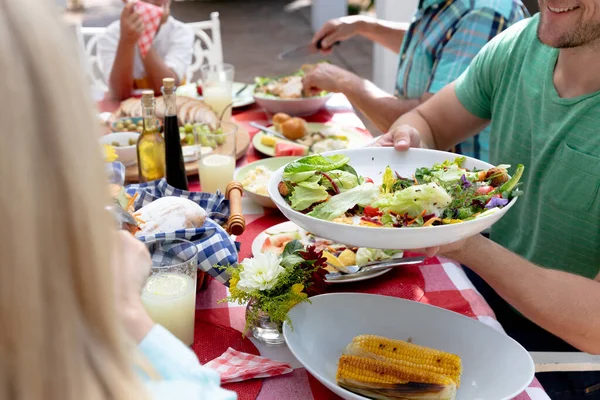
x=264 y=329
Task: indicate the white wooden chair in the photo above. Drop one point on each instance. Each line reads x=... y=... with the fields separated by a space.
x=207 y=49
x=88 y=37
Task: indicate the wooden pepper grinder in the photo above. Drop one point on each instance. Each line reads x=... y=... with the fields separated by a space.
x=236 y=224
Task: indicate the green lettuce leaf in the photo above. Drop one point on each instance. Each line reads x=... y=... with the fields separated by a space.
x=388 y=180
x=316 y=162
x=298 y=176
x=365 y=255
x=453 y=174
x=413 y=200
x=344 y=180
x=362 y=195
x=306 y=194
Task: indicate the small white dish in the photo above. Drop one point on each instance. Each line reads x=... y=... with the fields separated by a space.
x=295 y=107
x=495 y=367
x=126 y=153
x=371 y=162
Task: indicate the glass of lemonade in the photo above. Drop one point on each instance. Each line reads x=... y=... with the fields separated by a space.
x=169 y=295
x=216 y=156
x=217 y=88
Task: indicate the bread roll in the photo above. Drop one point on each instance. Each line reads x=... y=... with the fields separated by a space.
x=169 y=214
x=294 y=128
x=279 y=119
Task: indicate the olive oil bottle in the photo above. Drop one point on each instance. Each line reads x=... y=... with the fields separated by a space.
x=150 y=145
x=175 y=168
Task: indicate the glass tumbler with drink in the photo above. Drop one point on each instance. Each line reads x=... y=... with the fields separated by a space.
x=217 y=88
x=169 y=295
x=216 y=156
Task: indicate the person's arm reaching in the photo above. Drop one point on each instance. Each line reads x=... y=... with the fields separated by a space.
x=564 y=304
x=386 y=33
x=379 y=106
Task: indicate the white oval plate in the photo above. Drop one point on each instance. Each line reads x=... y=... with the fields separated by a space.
x=289 y=226
x=371 y=162
x=355 y=138
x=495 y=367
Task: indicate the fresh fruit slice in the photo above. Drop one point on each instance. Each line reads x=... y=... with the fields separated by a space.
x=269 y=141
x=283 y=148
x=333 y=263
x=347 y=258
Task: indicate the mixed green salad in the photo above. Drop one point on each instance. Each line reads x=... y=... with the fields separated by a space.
x=287 y=86
x=329 y=188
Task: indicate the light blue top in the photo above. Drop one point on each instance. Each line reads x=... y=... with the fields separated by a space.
x=182 y=375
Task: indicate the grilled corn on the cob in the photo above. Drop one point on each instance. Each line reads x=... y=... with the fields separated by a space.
x=383 y=368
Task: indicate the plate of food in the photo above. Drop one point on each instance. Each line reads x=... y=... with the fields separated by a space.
x=306 y=137
x=383 y=198
x=131 y=124
x=376 y=343
x=339 y=256
x=255 y=176
x=241 y=96
x=285 y=94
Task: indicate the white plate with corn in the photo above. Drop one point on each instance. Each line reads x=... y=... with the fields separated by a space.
x=368 y=346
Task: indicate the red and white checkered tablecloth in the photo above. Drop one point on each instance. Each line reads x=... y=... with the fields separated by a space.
x=439 y=281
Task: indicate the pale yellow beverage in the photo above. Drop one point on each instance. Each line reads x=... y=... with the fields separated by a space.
x=216 y=171
x=170 y=299
x=219 y=97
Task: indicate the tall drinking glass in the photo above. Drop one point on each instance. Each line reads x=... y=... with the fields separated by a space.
x=217 y=88
x=169 y=295
x=216 y=156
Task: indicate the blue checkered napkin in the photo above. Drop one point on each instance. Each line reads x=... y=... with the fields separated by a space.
x=215 y=246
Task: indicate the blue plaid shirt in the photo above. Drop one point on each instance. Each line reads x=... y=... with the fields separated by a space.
x=443 y=38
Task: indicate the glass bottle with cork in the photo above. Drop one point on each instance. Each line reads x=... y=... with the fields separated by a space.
x=150 y=144
x=175 y=168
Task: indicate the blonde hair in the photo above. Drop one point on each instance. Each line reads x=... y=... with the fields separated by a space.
x=59 y=332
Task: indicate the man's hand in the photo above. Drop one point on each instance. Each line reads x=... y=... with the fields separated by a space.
x=402 y=138
x=338 y=29
x=327 y=77
x=132 y=25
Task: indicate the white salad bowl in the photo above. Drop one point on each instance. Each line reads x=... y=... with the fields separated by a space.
x=295 y=107
x=371 y=162
x=495 y=367
x=126 y=153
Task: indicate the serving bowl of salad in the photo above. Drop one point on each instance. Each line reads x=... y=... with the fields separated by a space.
x=382 y=198
x=284 y=94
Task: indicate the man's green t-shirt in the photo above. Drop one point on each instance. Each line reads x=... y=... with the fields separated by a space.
x=556 y=223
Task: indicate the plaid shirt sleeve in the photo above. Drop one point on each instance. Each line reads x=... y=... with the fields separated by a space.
x=463 y=42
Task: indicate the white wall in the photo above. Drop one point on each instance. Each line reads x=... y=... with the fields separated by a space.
x=385 y=62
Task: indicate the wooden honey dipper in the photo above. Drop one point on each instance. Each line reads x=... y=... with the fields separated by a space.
x=236 y=224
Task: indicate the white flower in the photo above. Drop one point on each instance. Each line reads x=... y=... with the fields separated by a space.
x=260 y=272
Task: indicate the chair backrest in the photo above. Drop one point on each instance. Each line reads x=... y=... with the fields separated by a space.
x=89 y=39
x=207 y=49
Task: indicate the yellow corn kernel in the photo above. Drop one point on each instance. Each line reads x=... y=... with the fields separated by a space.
x=407 y=354
x=268 y=140
x=360 y=372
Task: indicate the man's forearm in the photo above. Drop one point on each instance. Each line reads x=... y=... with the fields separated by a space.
x=121 y=75
x=565 y=304
x=157 y=70
x=386 y=33
x=379 y=106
